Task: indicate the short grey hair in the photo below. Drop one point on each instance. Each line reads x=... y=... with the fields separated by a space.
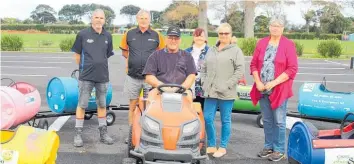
x=143 y=11
x=277 y=20
x=224 y=25
x=97 y=11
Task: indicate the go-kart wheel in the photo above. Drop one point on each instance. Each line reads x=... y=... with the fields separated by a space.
x=110 y=117
x=349 y=134
x=260 y=120
x=88 y=116
x=43 y=124
x=129 y=161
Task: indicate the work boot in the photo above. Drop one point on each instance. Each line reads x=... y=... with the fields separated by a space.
x=104 y=136
x=78 y=139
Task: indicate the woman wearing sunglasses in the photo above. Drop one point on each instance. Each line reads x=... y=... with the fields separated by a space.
x=222 y=69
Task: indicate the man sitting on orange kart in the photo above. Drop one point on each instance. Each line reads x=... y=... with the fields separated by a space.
x=170 y=65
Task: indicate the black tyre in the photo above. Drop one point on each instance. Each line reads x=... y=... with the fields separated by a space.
x=43 y=124
x=111 y=117
x=88 y=116
x=260 y=120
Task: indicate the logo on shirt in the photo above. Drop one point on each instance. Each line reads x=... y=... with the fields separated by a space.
x=89 y=40
x=152 y=40
x=106 y=42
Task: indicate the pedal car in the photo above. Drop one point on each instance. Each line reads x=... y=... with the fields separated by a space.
x=170 y=129
x=29 y=145
x=243 y=103
x=316 y=101
x=307 y=144
x=20 y=102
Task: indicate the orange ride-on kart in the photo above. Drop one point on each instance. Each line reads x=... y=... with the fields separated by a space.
x=169 y=129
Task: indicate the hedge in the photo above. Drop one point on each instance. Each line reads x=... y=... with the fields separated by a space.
x=67 y=29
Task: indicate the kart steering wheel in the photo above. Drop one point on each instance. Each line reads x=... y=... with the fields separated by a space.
x=12 y=82
x=349 y=134
x=181 y=89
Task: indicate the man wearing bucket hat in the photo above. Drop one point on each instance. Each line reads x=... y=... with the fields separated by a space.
x=171 y=65
x=93 y=46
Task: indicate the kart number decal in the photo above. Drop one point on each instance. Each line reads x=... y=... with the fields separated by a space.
x=244 y=95
x=308 y=87
x=339 y=155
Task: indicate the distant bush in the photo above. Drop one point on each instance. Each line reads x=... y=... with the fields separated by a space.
x=11 y=43
x=330 y=48
x=299 y=48
x=66 y=44
x=248 y=45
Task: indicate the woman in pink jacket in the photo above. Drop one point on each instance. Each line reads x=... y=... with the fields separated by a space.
x=273 y=66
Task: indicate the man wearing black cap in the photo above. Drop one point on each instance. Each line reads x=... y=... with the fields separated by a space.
x=170 y=65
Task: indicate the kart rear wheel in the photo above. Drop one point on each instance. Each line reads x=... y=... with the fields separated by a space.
x=260 y=120
x=110 y=117
x=43 y=124
x=88 y=116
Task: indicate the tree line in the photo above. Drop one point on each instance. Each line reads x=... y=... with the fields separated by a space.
x=321 y=17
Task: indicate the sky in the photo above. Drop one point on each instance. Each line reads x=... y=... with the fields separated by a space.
x=22 y=8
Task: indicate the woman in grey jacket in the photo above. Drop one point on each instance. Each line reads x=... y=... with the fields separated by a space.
x=223 y=68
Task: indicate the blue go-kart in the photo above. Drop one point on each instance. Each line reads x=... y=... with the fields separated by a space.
x=308 y=145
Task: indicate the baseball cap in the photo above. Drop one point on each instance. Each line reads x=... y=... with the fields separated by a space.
x=173 y=31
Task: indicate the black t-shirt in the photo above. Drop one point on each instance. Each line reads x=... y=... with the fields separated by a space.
x=94 y=50
x=170 y=68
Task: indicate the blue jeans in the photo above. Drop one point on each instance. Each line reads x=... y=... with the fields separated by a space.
x=274 y=124
x=210 y=107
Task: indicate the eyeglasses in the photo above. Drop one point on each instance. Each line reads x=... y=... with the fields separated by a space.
x=224 y=33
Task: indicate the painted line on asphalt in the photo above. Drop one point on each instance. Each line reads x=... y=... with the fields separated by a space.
x=59 y=123
x=30 y=75
x=309 y=81
x=336 y=63
x=29 y=67
x=321 y=68
x=327 y=74
x=290 y=121
x=36 y=62
x=42 y=57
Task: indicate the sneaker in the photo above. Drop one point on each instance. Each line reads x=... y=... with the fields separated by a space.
x=221 y=152
x=211 y=150
x=276 y=156
x=104 y=136
x=265 y=153
x=78 y=139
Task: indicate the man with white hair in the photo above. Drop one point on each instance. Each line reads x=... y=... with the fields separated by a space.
x=137 y=44
x=93 y=46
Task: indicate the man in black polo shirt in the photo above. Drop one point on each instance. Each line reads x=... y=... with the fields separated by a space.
x=137 y=45
x=93 y=46
x=171 y=65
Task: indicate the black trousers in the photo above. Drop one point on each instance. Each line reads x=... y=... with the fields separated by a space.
x=200 y=100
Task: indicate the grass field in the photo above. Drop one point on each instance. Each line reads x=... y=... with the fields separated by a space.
x=50 y=43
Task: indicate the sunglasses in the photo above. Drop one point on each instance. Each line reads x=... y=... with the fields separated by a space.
x=224 y=33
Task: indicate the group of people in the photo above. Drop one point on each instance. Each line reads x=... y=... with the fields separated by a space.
x=209 y=72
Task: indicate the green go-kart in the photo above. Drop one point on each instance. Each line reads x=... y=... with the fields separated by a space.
x=243 y=103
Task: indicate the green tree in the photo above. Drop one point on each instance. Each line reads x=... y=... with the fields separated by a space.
x=130 y=11
x=261 y=23
x=71 y=13
x=43 y=14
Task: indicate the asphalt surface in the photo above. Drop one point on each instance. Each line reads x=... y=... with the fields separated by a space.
x=247 y=137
